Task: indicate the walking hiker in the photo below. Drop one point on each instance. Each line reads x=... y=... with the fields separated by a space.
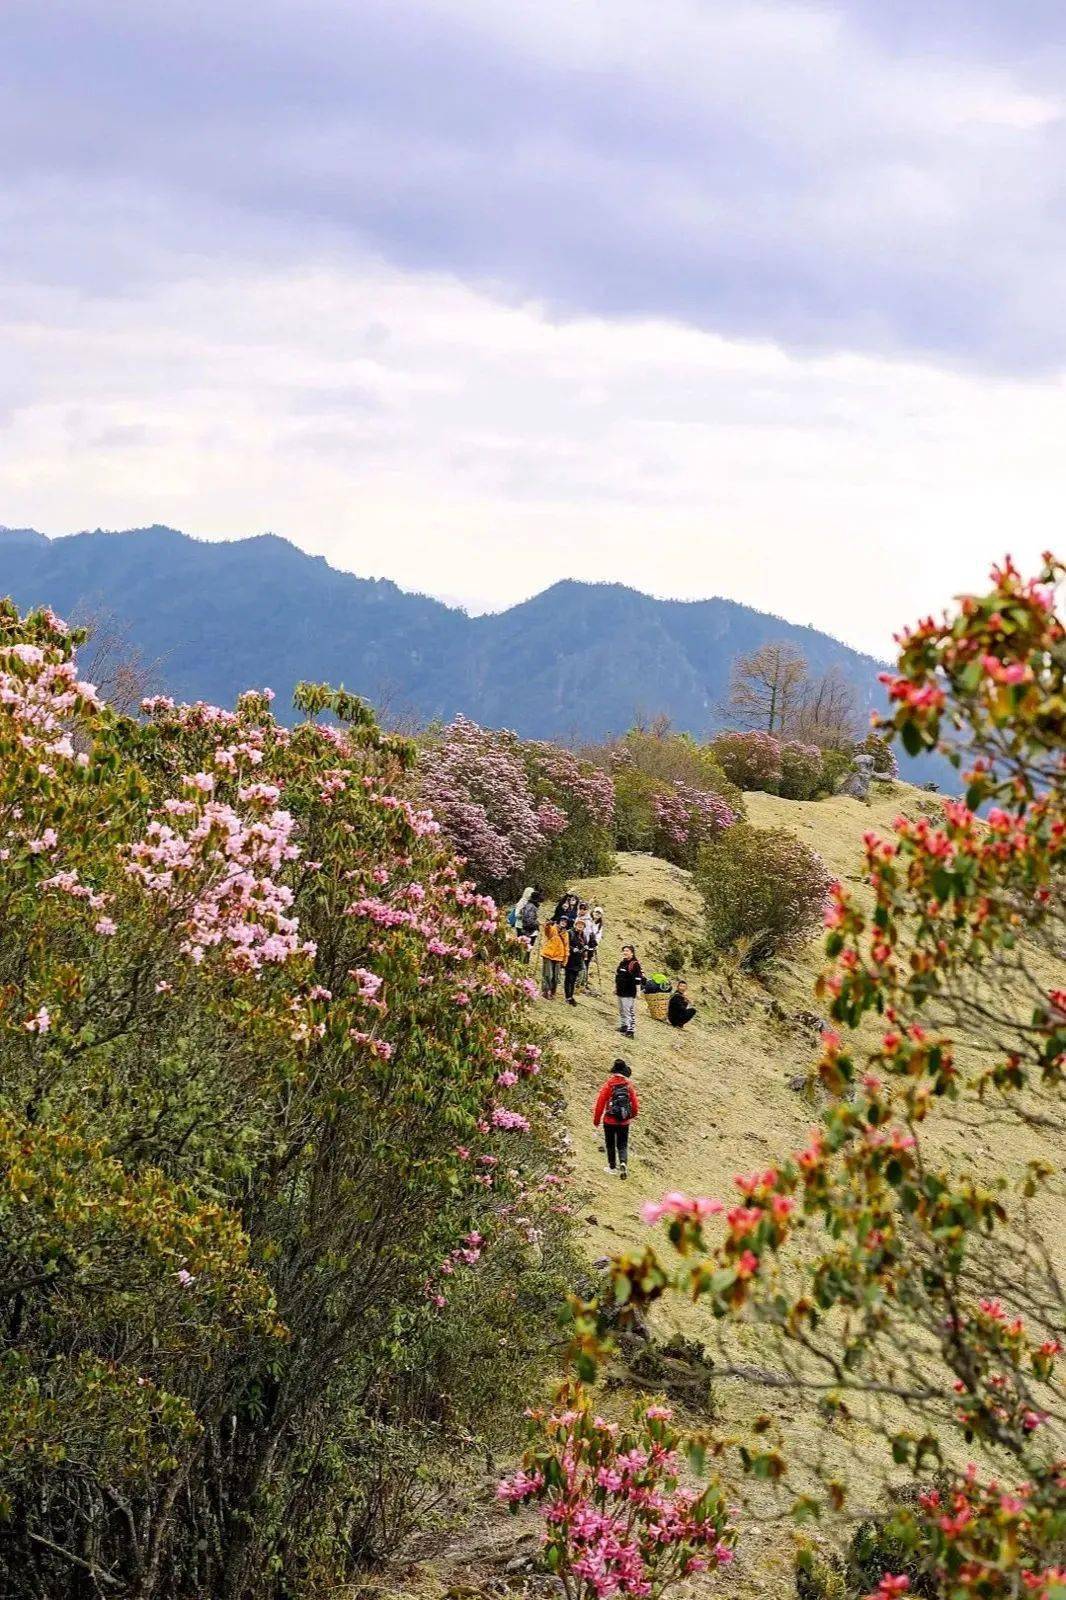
x=616 y=1107
x=575 y=963
x=554 y=949
x=627 y=980
x=680 y=1010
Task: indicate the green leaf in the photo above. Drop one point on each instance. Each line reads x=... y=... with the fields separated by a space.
x=911 y=735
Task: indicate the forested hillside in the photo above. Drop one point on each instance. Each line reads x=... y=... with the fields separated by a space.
x=577 y=660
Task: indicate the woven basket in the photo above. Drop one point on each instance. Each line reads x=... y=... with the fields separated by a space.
x=657 y=1005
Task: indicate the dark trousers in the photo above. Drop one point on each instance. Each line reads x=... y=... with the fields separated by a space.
x=686 y=1015
x=549 y=976
x=617 y=1142
x=569 y=982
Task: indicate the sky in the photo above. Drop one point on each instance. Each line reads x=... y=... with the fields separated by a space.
x=704 y=296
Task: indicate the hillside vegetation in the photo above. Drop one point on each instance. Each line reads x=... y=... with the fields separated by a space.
x=730 y=1093
x=296 y=1168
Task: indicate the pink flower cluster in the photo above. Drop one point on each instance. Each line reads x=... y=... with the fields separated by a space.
x=616 y=1522
x=681 y=1206
x=587 y=786
x=690 y=817
x=486 y=787
x=476 y=784
x=40 y=694
x=217 y=874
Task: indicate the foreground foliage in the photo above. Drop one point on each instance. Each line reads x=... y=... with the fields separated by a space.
x=907 y=1294
x=267 y=1098
x=616 y=1519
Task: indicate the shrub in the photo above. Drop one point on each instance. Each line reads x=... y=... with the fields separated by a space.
x=750 y=760
x=636 y=808
x=616 y=1520
x=674 y=758
x=518 y=812
x=756 y=880
x=685 y=820
x=801 y=770
x=584 y=795
x=836 y=764
x=820 y=1574
x=268 y=1092
x=876 y=745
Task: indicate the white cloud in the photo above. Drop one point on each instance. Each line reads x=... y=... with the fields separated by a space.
x=407 y=425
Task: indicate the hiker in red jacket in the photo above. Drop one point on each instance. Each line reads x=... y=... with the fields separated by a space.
x=616 y=1107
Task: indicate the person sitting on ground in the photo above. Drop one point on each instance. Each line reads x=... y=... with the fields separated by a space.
x=554 y=949
x=575 y=963
x=680 y=1009
x=628 y=977
x=616 y=1107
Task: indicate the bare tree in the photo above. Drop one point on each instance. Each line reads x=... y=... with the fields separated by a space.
x=115 y=664
x=827 y=713
x=766 y=687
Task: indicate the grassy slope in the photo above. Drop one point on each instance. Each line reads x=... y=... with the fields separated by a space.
x=714 y=1101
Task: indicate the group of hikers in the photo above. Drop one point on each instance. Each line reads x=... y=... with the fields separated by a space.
x=569 y=943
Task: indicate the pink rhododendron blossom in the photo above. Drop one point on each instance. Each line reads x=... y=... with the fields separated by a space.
x=682 y=1207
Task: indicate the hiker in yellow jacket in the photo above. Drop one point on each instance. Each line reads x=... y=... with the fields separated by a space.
x=554 y=951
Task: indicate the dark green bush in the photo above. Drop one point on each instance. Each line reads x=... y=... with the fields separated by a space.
x=761 y=880
x=801 y=770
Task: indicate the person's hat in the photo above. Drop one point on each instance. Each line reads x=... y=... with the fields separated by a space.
x=597 y=911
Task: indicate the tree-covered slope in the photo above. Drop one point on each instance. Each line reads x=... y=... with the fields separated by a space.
x=578 y=659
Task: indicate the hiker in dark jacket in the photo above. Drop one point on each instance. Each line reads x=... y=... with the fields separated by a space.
x=575 y=963
x=567 y=908
x=628 y=978
x=680 y=1009
x=527 y=919
x=616 y=1107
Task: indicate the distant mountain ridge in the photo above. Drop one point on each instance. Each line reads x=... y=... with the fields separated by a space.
x=578 y=660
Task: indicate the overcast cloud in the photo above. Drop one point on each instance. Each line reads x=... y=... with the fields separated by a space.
x=752 y=299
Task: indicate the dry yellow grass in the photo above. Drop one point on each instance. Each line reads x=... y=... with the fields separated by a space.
x=715 y=1100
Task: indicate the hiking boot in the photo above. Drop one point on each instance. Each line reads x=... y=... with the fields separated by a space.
x=623 y=1170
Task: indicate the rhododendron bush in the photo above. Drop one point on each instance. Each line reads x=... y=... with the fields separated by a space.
x=761 y=881
x=518 y=811
x=269 y=1105
x=750 y=760
x=685 y=820
x=616 y=1521
x=902 y=1269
